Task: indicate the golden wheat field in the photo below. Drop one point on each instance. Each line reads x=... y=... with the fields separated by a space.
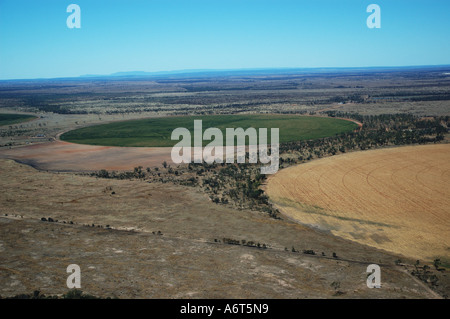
x=395 y=199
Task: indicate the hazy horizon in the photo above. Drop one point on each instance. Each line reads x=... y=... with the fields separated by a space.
x=248 y=71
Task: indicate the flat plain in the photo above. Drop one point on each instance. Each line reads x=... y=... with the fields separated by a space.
x=164 y=231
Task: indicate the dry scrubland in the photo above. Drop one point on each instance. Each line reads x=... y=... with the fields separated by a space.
x=394 y=199
x=74 y=103
x=172 y=252
x=166 y=240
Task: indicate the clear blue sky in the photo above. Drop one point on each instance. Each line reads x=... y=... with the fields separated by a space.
x=162 y=35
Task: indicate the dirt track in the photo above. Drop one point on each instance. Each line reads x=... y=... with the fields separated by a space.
x=394 y=199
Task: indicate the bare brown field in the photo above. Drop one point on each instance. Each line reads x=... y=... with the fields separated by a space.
x=64 y=156
x=394 y=199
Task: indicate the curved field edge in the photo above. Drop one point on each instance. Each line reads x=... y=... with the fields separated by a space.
x=156 y=132
x=393 y=199
x=11 y=119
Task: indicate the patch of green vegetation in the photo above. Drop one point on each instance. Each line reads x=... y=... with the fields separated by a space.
x=156 y=132
x=9 y=119
x=442 y=262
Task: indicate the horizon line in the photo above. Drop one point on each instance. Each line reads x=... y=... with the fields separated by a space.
x=124 y=74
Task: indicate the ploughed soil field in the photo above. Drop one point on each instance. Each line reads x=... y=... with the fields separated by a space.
x=149 y=240
x=70 y=157
x=394 y=199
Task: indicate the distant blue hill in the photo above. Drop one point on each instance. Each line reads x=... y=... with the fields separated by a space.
x=209 y=73
x=257 y=71
x=145 y=74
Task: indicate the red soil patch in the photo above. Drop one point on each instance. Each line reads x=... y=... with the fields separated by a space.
x=64 y=156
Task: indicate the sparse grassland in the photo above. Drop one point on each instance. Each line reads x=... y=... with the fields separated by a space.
x=134 y=239
x=157 y=132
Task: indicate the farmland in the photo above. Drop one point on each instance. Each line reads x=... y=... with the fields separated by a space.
x=386 y=198
x=157 y=132
x=141 y=226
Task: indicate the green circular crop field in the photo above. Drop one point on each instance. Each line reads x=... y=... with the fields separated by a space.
x=156 y=132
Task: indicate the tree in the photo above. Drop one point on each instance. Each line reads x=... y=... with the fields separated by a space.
x=103 y=173
x=437 y=263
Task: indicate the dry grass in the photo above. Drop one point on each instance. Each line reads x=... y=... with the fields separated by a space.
x=184 y=261
x=394 y=199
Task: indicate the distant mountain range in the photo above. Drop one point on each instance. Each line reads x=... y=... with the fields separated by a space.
x=208 y=73
x=260 y=71
x=144 y=74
